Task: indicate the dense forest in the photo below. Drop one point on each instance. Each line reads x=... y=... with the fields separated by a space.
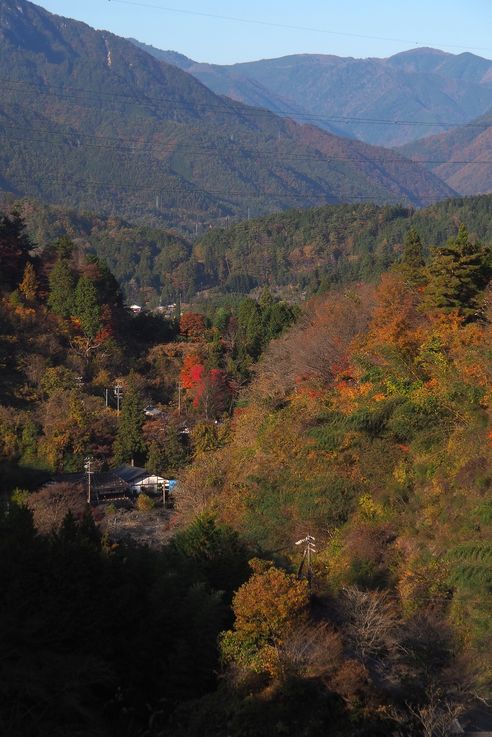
x=293 y=253
x=361 y=419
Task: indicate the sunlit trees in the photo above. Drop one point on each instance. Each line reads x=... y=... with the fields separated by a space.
x=266 y=608
x=61 y=291
x=458 y=274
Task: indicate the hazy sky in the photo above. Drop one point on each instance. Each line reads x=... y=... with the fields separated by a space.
x=342 y=28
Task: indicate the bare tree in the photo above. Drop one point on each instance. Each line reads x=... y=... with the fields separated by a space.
x=52 y=503
x=371 y=621
x=310 y=651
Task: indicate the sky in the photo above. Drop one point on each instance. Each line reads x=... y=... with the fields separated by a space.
x=256 y=29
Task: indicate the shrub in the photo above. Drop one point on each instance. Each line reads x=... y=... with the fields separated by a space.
x=144 y=503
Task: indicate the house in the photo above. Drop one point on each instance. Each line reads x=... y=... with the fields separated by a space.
x=151 y=411
x=139 y=480
x=123 y=482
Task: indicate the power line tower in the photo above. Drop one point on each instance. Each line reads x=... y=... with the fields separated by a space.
x=309 y=543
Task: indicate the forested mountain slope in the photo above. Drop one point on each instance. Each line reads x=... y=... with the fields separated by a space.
x=368 y=427
x=426 y=89
x=365 y=423
x=461 y=157
x=89 y=120
x=308 y=250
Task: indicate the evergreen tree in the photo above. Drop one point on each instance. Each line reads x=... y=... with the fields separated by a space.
x=61 y=294
x=129 y=443
x=458 y=273
x=14 y=250
x=86 y=308
x=412 y=262
x=168 y=457
x=64 y=247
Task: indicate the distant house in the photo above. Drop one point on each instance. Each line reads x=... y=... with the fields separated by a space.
x=136 y=309
x=139 y=480
x=151 y=411
x=123 y=482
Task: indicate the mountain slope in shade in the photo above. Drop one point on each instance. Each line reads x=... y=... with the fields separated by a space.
x=87 y=119
x=430 y=89
x=469 y=146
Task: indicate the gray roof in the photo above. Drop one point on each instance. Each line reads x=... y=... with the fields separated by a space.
x=130 y=474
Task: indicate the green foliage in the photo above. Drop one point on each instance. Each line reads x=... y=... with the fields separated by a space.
x=79 y=623
x=61 y=295
x=214 y=551
x=458 y=274
x=86 y=307
x=129 y=443
x=472 y=565
x=19 y=497
x=412 y=262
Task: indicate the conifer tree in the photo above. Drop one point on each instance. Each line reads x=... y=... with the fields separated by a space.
x=167 y=457
x=61 y=294
x=86 y=308
x=129 y=443
x=412 y=261
x=458 y=273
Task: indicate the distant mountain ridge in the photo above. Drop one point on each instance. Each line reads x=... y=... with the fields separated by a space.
x=469 y=146
x=89 y=120
x=429 y=89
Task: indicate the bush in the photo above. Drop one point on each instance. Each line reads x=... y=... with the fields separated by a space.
x=144 y=503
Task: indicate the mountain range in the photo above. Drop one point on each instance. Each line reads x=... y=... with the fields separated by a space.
x=425 y=91
x=89 y=120
x=461 y=157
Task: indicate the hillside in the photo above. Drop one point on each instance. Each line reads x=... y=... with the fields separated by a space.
x=428 y=89
x=89 y=120
x=296 y=251
x=362 y=420
x=468 y=146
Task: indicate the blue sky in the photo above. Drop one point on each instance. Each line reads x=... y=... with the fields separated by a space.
x=452 y=25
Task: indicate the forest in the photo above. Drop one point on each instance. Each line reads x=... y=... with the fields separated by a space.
x=360 y=416
x=294 y=253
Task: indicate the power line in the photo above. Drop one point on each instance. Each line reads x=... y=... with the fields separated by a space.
x=174 y=147
x=228 y=107
x=324 y=198
x=291 y=27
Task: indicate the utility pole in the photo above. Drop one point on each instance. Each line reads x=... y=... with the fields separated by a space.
x=106 y=392
x=89 y=472
x=309 y=543
x=118 y=391
x=179 y=398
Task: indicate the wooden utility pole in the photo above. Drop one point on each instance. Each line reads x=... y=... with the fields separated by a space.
x=118 y=390
x=89 y=472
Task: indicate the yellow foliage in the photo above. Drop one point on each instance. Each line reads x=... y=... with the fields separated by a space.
x=368 y=508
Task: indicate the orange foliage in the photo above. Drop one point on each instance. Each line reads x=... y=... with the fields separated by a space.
x=192 y=325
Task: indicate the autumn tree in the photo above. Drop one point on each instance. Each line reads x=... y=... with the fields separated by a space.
x=458 y=273
x=192 y=325
x=266 y=608
x=28 y=287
